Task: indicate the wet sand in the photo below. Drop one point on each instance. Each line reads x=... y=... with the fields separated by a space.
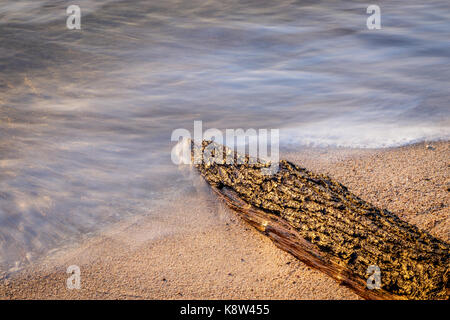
x=196 y=248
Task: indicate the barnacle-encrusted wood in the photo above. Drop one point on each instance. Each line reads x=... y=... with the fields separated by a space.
x=323 y=224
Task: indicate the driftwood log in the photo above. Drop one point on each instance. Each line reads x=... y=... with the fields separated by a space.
x=320 y=222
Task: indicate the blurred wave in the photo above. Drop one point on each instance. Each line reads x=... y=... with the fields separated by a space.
x=86 y=116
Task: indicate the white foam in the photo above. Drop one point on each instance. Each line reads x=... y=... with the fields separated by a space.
x=361 y=135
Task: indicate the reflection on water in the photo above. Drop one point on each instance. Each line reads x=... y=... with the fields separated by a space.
x=86 y=116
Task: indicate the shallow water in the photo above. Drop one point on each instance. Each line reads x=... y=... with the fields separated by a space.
x=86 y=116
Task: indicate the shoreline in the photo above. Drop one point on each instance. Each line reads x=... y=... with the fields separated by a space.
x=198 y=249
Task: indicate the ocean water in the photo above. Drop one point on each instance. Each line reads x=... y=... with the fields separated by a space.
x=86 y=115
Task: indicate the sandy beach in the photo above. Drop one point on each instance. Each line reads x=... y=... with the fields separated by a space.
x=196 y=248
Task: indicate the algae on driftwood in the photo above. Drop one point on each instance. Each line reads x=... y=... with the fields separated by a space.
x=323 y=224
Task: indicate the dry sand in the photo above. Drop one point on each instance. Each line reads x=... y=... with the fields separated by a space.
x=196 y=248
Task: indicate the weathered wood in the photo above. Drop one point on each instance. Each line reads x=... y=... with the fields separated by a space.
x=320 y=222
